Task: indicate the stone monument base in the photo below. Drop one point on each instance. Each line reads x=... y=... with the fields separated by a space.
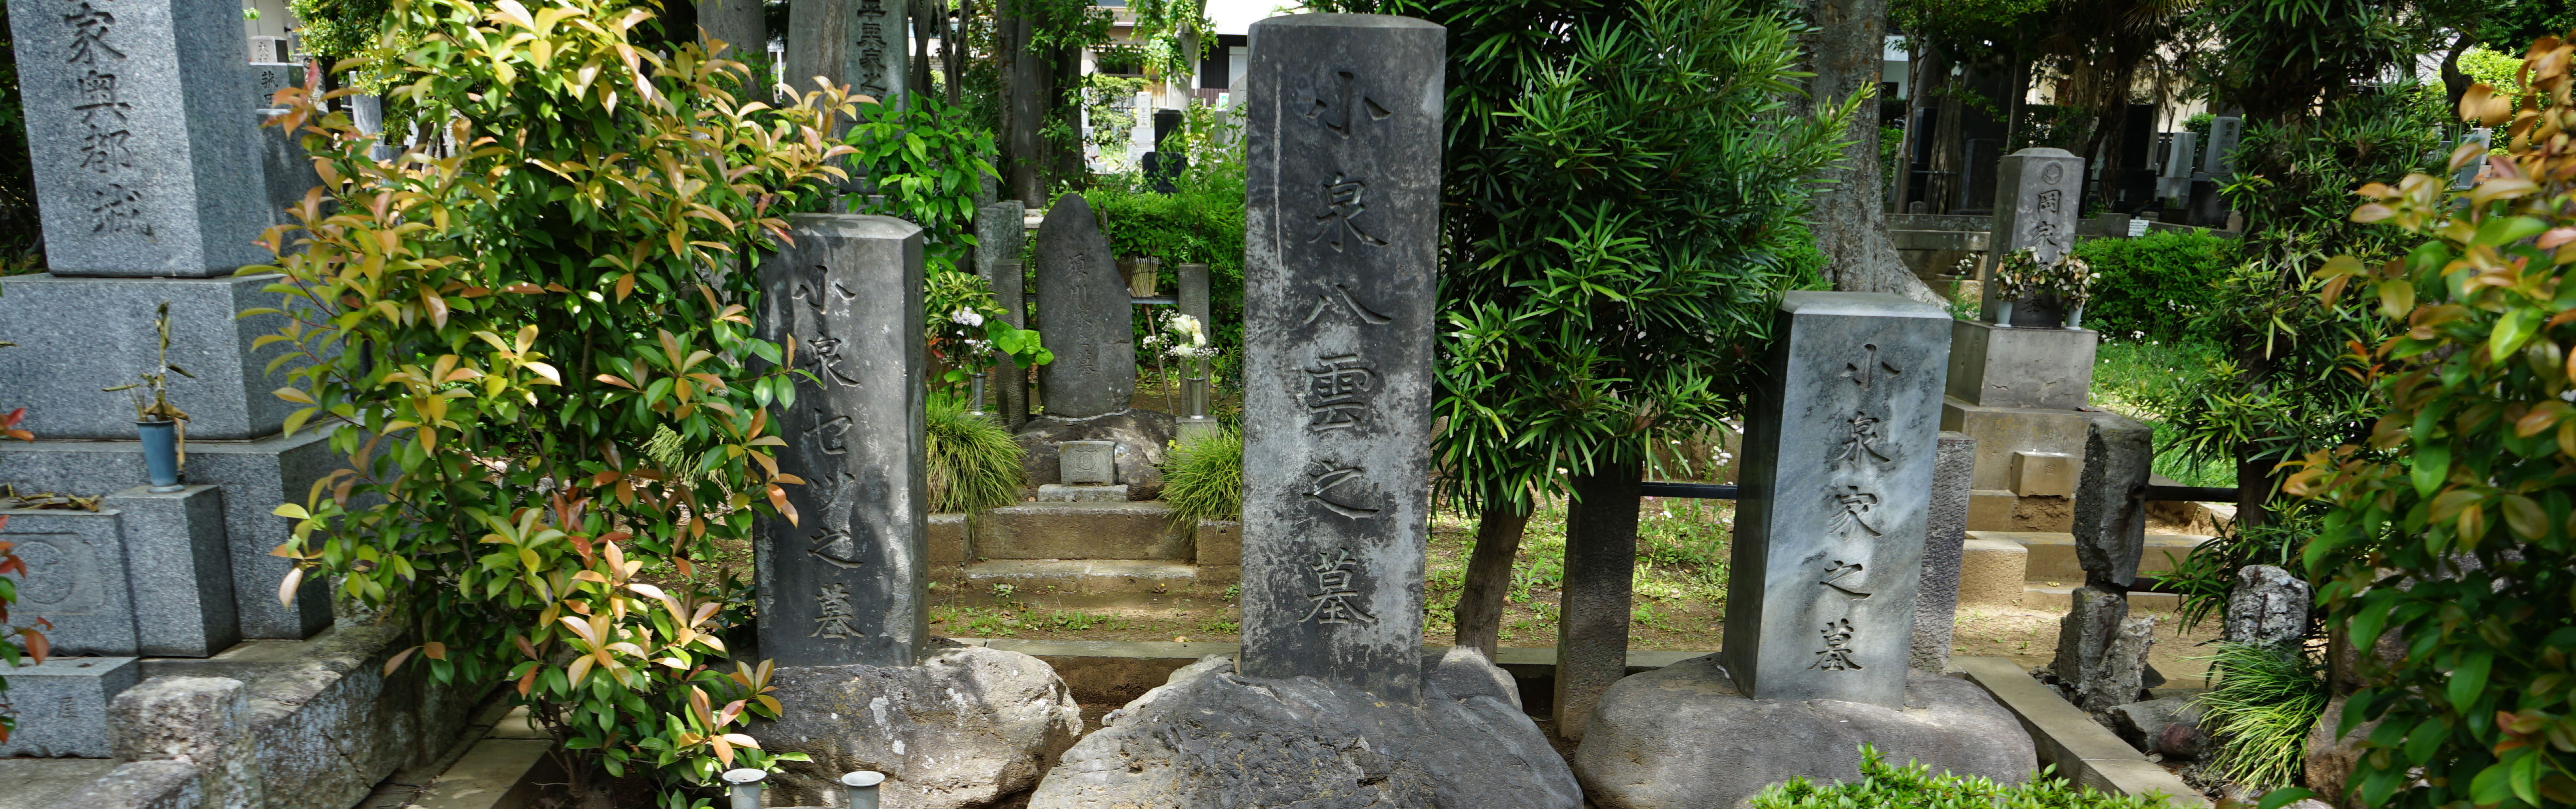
x=1211 y=738
x=1682 y=736
x=966 y=728
x=1141 y=436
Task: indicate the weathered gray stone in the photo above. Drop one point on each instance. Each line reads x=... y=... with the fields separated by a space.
x=75 y=579
x=1211 y=738
x=877 y=49
x=2170 y=726
x=1143 y=438
x=1996 y=366
x=1837 y=474
x=2267 y=605
x=1087 y=461
x=2036 y=196
x=818 y=45
x=738 y=24
x=1945 y=537
x=331 y=724
x=1000 y=236
x=61 y=705
x=266 y=78
x=2224 y=133
x=137 y=130
x=1193 y=293
x=205 y=721
x=965 y=728
x=1342 y=212
x=77 y=335
x=2111 y=500
x=179 y=566
x=1083 y=311
x=1081 y=493
x=1685 y=736
x=2084 y=640
x=287 y=171
x=144 y=785
x=2328 y=760
x=846 y=582
x=255 y=476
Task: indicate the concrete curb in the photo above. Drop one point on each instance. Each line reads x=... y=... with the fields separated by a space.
x=2085 y=752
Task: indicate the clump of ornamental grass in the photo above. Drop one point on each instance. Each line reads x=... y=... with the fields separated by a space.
x=1204 y=478
x=2266 y=700
x=974 y=464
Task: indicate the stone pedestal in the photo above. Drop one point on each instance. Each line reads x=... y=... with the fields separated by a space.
x=180 y=569
x=965 y=728
x=846 y=582
x=2000 y=366
x=2002 y=434
x=75 y=579
x=62 y=705
x=77 y=335
x=1837 y=477
x=137 y=127
x=255 y=476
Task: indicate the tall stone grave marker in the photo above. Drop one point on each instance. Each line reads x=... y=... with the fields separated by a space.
x=1342 y=229
x=2038 y=193
x=146 y=160
x=999 y=233
x=2224 y=133
x=817 y=43
x=1083 y=307
x=1837 y=475
x=878 y=48
x=846 y=583
x=1945 y=537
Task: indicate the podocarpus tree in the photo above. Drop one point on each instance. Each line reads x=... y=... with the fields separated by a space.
x=2452 y=530
x=495 y=335
x=1621 y=184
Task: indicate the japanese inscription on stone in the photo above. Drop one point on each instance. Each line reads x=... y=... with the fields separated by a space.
x=1837 y=472
x=844 y=582
x=1342 y=229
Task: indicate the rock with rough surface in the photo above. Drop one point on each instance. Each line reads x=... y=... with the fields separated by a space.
x=2170 y=726
x=966 y=728
x=204 y=721
x=2328 y=760
x=1141 y=436
x=1212 y=739
x=2267 y=606
x=2111 y=500
x=1683 y=736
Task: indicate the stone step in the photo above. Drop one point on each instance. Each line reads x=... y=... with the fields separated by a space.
x=1092 y=583
x=2060 y=599
x=1139 y=530
x=2052 y=555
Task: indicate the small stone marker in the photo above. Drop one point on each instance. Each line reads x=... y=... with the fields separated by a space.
x=1945 y=536
x=142 y=148
x=2038 y=192
x=2267 y=605
x=75 y=578
x=1088 y=462
x=1343 y=231
x=269 y=77
x=846 y=583
x=2111 y=500
x=2224 y=133
x=180 y=567
x=1083 y=311
x=1193 y=293
x=1837 y=473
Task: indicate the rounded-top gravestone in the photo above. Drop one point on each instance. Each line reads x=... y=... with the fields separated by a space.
x=1083 y=313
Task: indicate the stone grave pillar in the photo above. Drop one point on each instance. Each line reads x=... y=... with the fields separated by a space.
x=152 y=183
x=738 y=24
x=999 y=237
x=817 y=44
x=879 y=48
x=845 y=583
x=1193 y=299
x=1343 y=224
x=1837 y=473
x=2017 y=387
x=1084 y=306
x=1945 y=535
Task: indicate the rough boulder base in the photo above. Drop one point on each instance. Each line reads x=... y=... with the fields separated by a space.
x=1213 y=739
x=1683 y=737
x=1141 y=436
x=966 y=728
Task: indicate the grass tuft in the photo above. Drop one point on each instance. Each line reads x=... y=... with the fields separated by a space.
x=974 y=464
x=2266 y=700
x=1204 y=478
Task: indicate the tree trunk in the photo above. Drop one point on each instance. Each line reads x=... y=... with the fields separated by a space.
x=1850 y=220
x=924 y=15
x=2454 y=82
x=1489 y=578
x=1024 y=89
x=1067 y=99
x=817 y=34
x=1600 y=573
x=1919 y=67
x=952 y=54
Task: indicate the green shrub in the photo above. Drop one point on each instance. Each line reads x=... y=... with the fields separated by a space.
x=1914 y=786
x=1204 y=478
x=2266 y=700
x=974 y=464
x=2153 y=284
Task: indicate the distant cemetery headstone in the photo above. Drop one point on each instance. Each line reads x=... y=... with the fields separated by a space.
x=1083 y=311
x=1837 y=475
x=2224 y=134
x=2040 y=189
x=1338 y=322
x=141 y=145
x=876 y=51
x=999 y=235
x=845 y=583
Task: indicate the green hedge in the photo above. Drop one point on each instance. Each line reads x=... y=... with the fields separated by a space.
x=1201 y=224
x=2153 y=284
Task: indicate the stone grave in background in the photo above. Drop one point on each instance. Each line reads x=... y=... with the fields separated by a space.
x=843 y=590
x=1085 y=315
x=152 y=182
x=1192 y=298
x=999 y=237
x=1332 y=700
x=1837 y=479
